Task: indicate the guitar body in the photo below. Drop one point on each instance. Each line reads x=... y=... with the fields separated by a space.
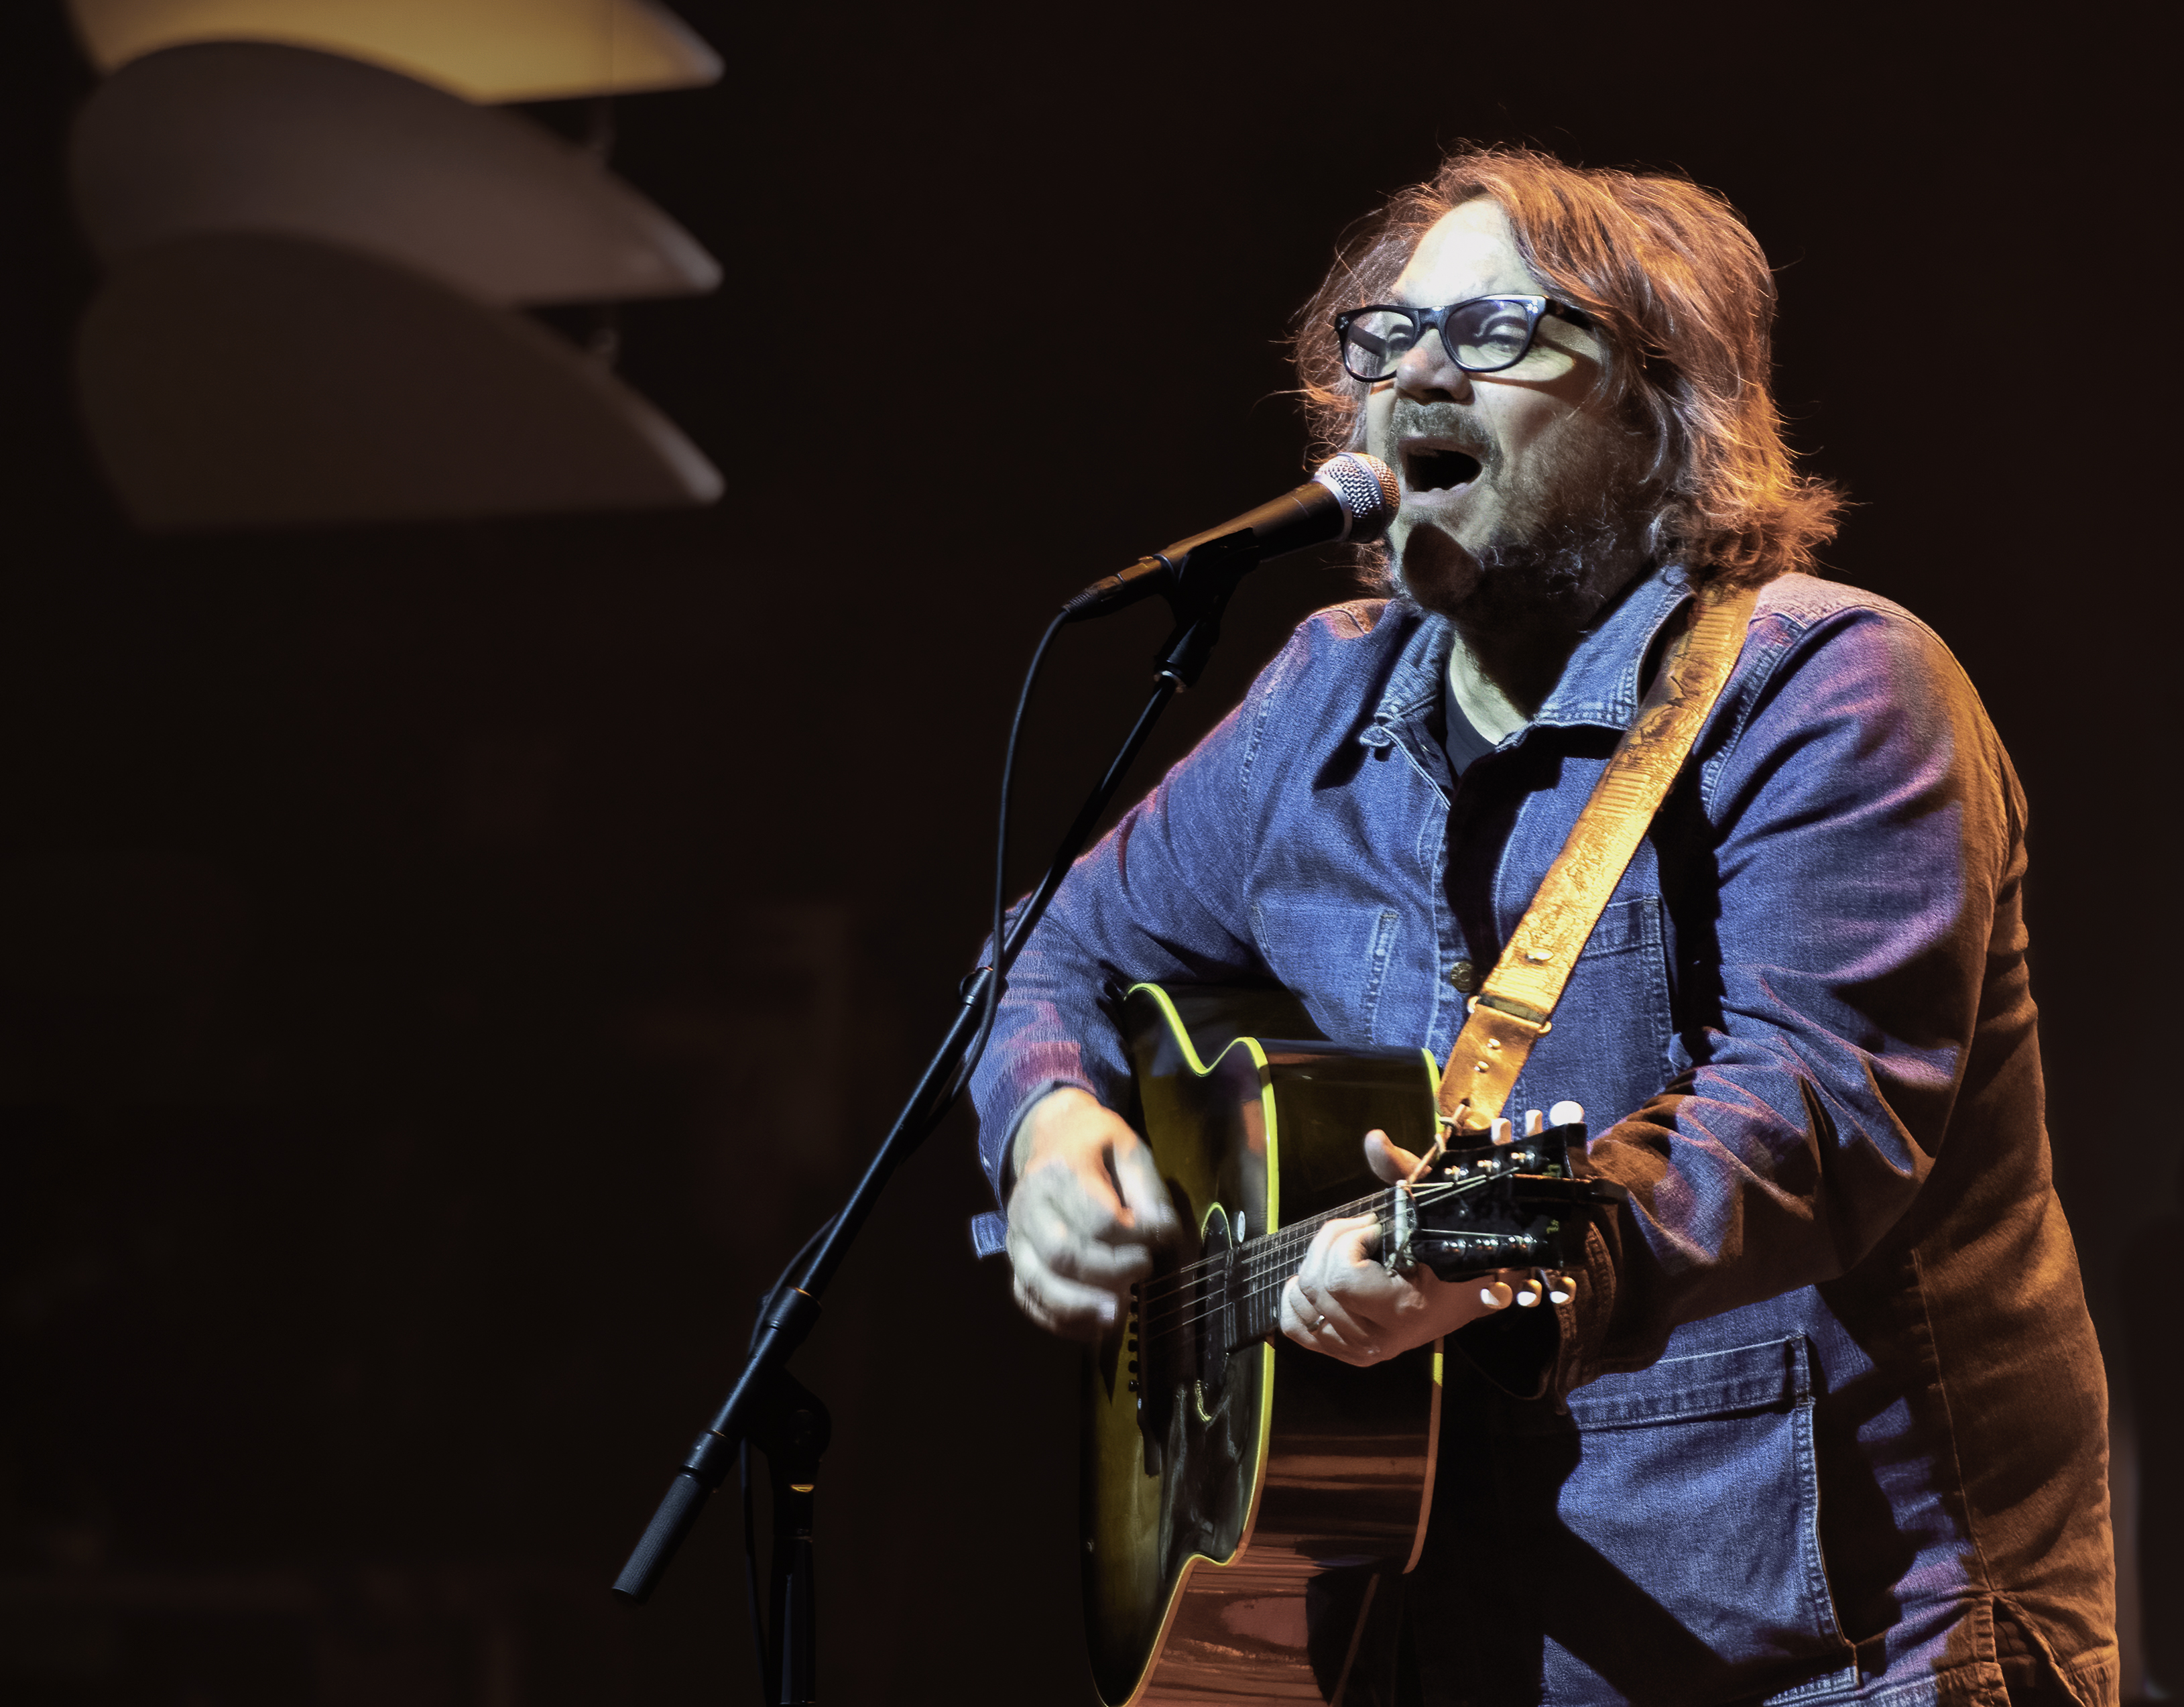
x=1243 y=1507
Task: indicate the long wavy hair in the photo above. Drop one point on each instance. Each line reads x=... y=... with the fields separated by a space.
x=1681 y=291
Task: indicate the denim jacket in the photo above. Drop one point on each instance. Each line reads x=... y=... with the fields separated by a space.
x=1826 y=1419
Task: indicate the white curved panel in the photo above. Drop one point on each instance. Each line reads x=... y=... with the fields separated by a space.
x=249 y=136
x=258 y=381
x=482 y=50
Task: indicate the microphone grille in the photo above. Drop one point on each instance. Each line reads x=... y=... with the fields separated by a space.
x=1365 y=487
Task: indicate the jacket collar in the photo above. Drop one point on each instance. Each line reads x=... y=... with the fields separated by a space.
x=1600 y=685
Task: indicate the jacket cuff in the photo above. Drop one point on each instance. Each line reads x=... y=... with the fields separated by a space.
x=1586 y=1318
x=1000 y=1170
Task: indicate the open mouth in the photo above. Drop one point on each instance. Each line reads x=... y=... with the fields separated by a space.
x=1436 y=470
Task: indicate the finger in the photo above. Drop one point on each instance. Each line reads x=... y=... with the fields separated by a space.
x=1056 y=1303
x=1339 y=1247
x=1044 y=1272
x=1113 y=1268
x=1086 y=1326
x=1337 y=1261
x=1328 y=1312
x=1296 y=1317
x=1350 y=1241
x=1322 y=1322
x=1145 y=1193
x=1387 y=1159
x=1347 y=1283
x=1068 y=1205
x=1307 y=1319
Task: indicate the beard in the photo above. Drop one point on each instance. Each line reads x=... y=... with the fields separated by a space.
x=1569 y=537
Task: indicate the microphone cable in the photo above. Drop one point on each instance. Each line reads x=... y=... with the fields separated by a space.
x=1367 y=493
x=991 y=1006
x=761 y=1637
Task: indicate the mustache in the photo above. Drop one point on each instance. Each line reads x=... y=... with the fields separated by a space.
x=1444 y=422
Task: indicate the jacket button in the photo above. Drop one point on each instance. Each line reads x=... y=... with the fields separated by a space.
x=1464 y=976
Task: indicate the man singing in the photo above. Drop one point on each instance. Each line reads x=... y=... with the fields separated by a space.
x=1801 y=1029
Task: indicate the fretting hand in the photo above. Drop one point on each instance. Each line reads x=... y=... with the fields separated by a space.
x=1344 y=1301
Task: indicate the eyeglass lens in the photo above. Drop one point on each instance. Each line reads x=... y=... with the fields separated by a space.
x=1481 y=337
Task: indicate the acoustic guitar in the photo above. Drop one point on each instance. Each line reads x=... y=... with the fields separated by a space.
x=1243 y=1497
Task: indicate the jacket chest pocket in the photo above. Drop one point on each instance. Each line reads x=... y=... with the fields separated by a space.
x=1334 y=954
x=1695 y=1485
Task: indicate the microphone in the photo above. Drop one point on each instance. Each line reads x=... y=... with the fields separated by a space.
x=1350 y=496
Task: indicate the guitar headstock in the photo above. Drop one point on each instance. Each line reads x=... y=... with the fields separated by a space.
x=1542 y=1148
x=1512 y=1202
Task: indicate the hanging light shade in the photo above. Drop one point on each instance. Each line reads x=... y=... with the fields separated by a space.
x=482 y=50
x=247 y=380
x=249 y=136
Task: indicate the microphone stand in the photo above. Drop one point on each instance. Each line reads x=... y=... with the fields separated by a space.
x=769 y=1407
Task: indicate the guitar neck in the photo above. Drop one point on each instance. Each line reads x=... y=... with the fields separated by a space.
x=1496 y=1207
x=1264 y=1266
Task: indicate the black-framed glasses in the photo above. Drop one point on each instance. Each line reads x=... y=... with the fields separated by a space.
x=1482 y=335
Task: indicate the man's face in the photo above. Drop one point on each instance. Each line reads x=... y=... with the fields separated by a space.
x=1520 y=477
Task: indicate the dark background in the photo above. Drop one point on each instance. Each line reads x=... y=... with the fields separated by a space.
x=444 y=971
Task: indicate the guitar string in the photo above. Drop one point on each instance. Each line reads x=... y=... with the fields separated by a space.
x=1255 y=1251
x=1255 y=1293
x=1255 y=1256
x=1261 y=1279
x=1166 y=1284
x=1288 y=1238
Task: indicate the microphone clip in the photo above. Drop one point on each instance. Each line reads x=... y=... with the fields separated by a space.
x=1198 y=595
x=1180 y=575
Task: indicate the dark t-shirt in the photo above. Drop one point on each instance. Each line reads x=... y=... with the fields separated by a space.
x=1466 y=746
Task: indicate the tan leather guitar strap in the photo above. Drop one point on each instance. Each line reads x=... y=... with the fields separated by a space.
x=1511 y=1012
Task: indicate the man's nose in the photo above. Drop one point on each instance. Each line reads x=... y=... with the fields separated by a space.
x=1425 y=371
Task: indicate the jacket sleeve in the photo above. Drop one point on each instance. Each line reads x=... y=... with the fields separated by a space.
x=1844 y=890
x=1159 y=898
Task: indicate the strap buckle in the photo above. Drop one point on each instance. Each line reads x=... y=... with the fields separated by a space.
x=1522 y=1012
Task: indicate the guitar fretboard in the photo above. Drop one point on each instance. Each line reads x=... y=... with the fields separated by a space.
x=1238 y=1293
x=1231 y=1297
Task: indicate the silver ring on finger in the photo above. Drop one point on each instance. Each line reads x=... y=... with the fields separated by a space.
x=1318 y=1322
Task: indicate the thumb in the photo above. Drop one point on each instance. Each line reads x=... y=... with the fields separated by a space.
x=1389 y=1160
x=1145 y=1192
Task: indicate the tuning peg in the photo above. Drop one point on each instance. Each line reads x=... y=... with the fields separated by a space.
x=1566 y=1114
x=1561 y=1288
x=1534 y=1122
x=1529 y=1292
x=1503 y=1131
